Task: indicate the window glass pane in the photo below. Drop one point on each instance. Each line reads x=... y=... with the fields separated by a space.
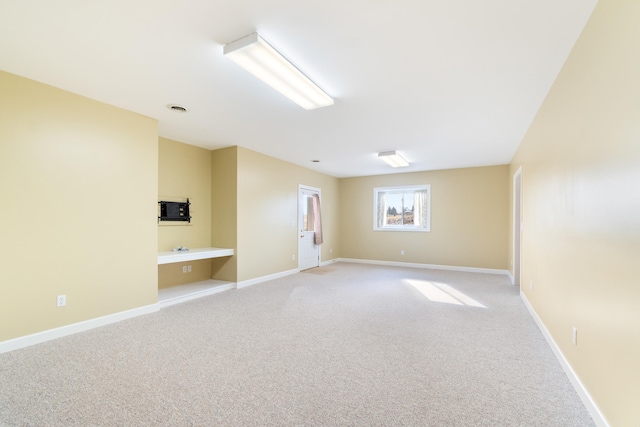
x=308 y=220
x=394 y=209
x=305 y=210
x=408 y=208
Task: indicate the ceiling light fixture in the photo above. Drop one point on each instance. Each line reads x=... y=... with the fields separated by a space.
x=394 y=159
x=259 y=58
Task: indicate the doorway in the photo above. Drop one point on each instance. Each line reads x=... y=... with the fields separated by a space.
x=517 y=226
x=308 y=250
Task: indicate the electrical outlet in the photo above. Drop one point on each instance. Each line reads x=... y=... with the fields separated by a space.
x=188 y=269
x=184 y=268
x=330 y=250
x=61 y=301
x=293 y=257
x=574 y=336
x=531 y=285
x=402 y=252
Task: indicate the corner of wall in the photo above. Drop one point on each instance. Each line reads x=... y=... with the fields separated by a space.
x=224 y=211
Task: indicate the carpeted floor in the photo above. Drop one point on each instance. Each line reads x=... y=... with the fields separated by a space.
x=319 y=270
x=362 y=346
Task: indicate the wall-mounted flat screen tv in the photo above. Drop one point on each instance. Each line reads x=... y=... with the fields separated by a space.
x=174 y=211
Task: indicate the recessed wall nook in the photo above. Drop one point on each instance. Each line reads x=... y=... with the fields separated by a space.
x=186 y=251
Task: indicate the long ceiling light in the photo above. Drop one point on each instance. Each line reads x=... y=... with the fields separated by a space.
x=394 y=159
x=259 y=58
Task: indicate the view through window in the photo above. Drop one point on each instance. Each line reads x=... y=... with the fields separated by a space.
x=402 y=208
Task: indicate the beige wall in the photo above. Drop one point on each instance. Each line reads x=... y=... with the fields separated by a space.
x=224 y=211
x=253 y=200
x=469 y=210
x=184 y=171
x=172 y=274
x=581 y=238
x=78 y=183
x=267 y=204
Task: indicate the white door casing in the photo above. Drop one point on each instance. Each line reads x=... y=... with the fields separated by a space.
x=308 y=251
x=517 y=226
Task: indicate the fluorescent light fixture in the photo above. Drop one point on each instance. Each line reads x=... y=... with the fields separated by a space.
x=394 y=159
x=259 y=58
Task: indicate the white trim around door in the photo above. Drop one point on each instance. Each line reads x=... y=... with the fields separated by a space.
x=308 y=251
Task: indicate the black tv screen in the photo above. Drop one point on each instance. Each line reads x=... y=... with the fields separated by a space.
x=174 y=211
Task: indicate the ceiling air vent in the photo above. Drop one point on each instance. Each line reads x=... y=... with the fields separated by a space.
x=178 y=108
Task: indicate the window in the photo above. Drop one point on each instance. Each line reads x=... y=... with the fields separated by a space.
x=308 y=219
x=402 y=208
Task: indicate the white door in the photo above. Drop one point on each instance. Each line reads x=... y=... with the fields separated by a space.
x=308 y=251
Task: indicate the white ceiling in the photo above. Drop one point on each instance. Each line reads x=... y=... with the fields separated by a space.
x=448 y=83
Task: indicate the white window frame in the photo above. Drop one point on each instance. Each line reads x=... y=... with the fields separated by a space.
x=404 y=189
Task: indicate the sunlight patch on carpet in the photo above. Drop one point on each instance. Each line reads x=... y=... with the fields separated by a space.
x=440 y=292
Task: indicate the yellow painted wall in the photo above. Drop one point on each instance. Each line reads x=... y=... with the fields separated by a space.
x=253 y=200
x=581 y=204
x=78 y=183
x=267 y=205
x=184 y=171
x=173 y=274
x=224 y=211
x=469 y=210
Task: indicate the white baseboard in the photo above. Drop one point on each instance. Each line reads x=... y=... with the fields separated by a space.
x=430 y=266
x=513 y=282
x=194 y=295
x=331 y=261
x=588 y=402
x=257 y=280
x=63 y=331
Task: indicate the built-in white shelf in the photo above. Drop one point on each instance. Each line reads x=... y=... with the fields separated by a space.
x=182 y=293
x=169 y=257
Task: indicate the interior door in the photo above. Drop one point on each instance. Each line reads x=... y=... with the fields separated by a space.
x=308 y=251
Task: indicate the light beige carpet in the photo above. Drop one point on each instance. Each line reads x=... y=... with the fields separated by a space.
x=319 y=270
x=362 y=346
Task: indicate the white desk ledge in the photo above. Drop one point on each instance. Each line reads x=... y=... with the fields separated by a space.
x=169 y=257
